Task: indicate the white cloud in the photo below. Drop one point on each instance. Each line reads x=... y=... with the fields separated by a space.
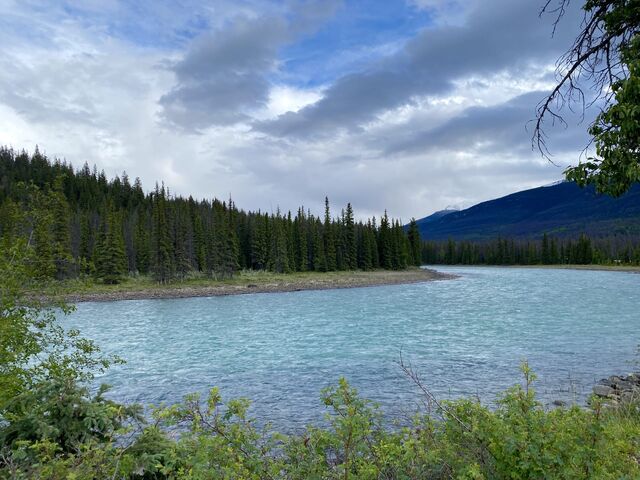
x=284 y=98
x=88 y=95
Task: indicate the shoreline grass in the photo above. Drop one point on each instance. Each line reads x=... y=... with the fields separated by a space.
x=245 y=282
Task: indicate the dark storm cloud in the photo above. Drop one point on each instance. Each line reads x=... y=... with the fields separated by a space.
x=503 y=35
x=500 y=130
x=223 y=77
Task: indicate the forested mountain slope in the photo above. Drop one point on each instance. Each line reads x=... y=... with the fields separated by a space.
x=561 y=210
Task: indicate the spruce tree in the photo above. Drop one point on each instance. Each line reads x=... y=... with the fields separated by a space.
x=385 y=243
x=319 y=259
x=229 y=250
x=45 y=265
x=163 y=268
x=181 y=243
x=111 y=261
x=351 y=248
x=545 y=254
x=259 y=244
x=415 y=244
x=199 y=243
x=329 y=241
x=61 y=247
x=301 y=241
x=142 y=245
x=279 y=253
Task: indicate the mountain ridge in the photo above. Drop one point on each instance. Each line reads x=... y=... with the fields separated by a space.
x=563 y=210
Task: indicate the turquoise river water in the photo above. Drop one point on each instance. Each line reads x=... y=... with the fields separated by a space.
x=465 y=337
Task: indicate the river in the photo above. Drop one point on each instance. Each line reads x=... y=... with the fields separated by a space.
x=465 y=337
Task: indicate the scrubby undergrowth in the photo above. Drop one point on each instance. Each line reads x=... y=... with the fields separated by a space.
x=57 y=431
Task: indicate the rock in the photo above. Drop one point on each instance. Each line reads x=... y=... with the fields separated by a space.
x=559 y=403
x=623 y=385
x=634 y=377
x=603 y=390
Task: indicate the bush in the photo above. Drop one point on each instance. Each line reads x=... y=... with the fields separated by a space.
x=212 y=440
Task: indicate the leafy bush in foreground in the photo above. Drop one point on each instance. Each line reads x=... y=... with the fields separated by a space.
x=517 y=440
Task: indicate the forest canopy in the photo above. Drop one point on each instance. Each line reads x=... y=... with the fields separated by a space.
x=81 y=223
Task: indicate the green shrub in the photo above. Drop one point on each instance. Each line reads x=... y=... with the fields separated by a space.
x=210 y=440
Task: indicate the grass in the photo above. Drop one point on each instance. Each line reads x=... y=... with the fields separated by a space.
x=247 y=281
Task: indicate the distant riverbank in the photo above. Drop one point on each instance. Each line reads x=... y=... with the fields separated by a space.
x=137 y=288
x=611 y=268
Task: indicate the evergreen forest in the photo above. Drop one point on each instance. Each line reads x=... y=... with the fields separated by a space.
x=81 y=223
x=548 y=250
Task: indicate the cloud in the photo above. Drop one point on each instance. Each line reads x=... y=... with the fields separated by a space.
x=223 y=79
x=499 y=129
x=503 y=36
x=291 y=101
x=223 y=76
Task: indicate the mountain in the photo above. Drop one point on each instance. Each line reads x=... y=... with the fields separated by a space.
x=562 y=210
x=436 y=216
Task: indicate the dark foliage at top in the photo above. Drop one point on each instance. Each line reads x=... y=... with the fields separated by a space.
x=601 y=68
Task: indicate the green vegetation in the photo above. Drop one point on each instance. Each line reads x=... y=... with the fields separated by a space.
x=519 y=440
x=246 y=281
x=546 y=251
x=604 y=58
x=52 y=427
x=616 y=131
x=83 y=225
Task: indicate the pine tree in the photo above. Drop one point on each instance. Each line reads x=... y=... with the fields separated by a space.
x=61 y=247
x=415 y=244
x=163 y=268
x=319 y=259
x=450 y=256
x=302 y=252
x=142 y=245
x=199 y=243
x=168 y=235
x=229 y=249
x=181 y=243
x=329 y=241
x=40 y=236
x=385 y=243
x=289 y=229
x=45 y=265
x=279 y=255
x=545 y=255
x=259 y=248
x=351 y=248
x=111 y=261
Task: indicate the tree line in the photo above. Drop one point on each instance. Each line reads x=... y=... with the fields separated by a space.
x=81 y=223
x=548 y=250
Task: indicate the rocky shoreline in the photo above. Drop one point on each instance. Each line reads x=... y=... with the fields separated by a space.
x=618 y=388
x=249 y=286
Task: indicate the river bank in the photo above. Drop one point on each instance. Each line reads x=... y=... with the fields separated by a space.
x=138 y=288
x=605 y=268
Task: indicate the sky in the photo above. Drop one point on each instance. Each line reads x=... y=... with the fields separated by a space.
x=406 y=105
